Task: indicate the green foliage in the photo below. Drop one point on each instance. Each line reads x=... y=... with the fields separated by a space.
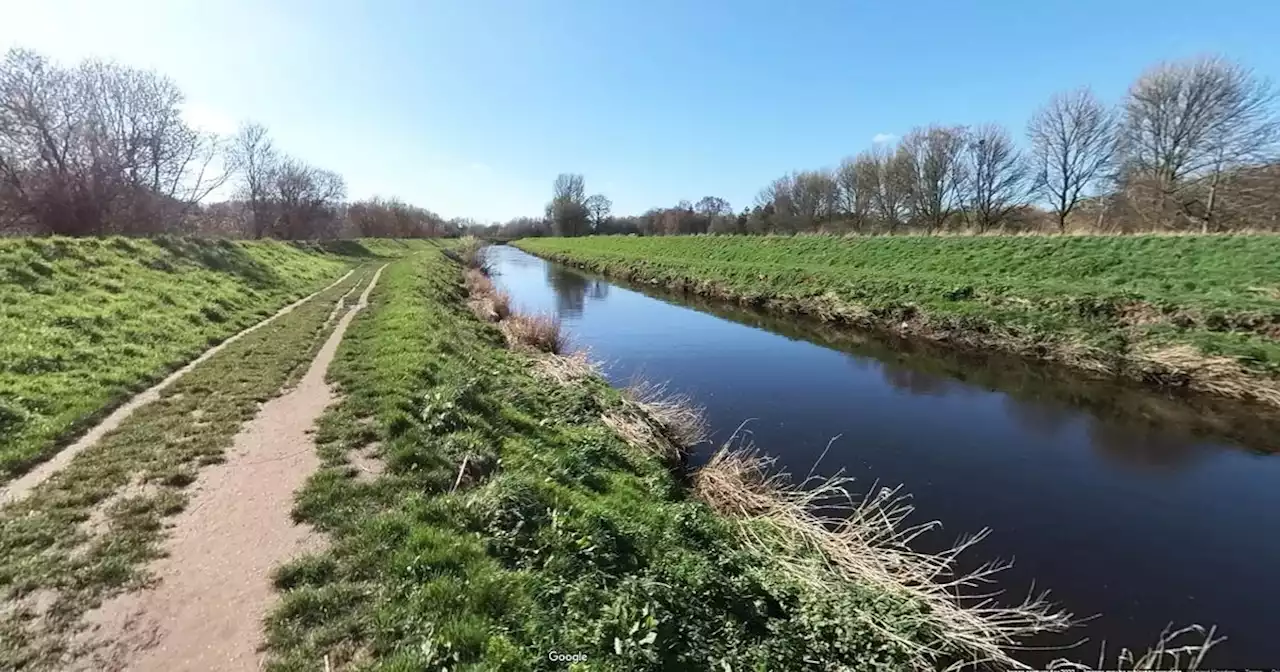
x=88 y=322
x=1104 y=291
x=565 y=540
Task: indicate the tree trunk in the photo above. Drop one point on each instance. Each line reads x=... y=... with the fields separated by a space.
x=1213 y=197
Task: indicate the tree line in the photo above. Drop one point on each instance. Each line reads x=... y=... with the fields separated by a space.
x=1193 y=146
x=100 y=148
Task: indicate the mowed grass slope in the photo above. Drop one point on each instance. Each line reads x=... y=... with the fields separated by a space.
x=1101 y=302
x=88 y=322
x=91 y=529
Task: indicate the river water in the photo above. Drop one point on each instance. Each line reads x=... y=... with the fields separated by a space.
x=1141 y=509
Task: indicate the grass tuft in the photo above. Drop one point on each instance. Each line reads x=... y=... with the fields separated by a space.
x=540 y=333
x=679 y=419
x=566 y=369
x=487 y=302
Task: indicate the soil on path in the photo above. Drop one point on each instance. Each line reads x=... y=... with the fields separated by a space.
x=214 y=587
x=20 y=487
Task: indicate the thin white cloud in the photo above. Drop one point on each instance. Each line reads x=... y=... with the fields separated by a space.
x=881 y=138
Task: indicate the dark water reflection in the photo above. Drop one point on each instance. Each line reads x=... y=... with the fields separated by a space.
x=1144 y=508
x=573 y=289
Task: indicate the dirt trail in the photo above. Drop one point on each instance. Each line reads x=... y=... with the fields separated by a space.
x=20 y=487
x=215 y=584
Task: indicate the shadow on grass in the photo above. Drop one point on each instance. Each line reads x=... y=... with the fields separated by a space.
x=223 y=256
x=343 y=248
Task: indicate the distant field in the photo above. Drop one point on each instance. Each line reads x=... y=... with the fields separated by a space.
x=87 y=322
x=1134 y=305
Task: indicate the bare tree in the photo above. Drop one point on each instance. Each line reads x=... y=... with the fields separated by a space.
x=1191 y=124
x=712 y=206
x=599 y=207
x=891 y=183
x=997 y=176
x=856 y=181
x=256 y=161
x=98 y=148
x=1073 y=144
x=816 y=197
x=162 y=167
x=567 y=210
x=38 y=135
x=937 y=171
x=716 y=215
x=392 y=218
x=306 y=199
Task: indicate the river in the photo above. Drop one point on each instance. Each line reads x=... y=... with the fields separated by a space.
x=1141 y=509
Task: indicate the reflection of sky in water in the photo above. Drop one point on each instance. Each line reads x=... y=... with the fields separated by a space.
x=1135 y=520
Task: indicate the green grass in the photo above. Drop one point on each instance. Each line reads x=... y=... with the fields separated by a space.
x=1115 y=296
x=89 y=531
x=560 y=537
x=89 y=322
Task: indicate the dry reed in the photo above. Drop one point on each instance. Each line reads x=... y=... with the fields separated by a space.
x=1167 y=654
x=679 y=419
x=821 y=535
x=566 y=369
x=487 y=302
x=539 y=332
x=1214 y=375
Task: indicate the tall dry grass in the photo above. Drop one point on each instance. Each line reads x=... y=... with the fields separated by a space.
x=486 y=300
x=821 y=534
x=539 y=332
x=676 y=415
x=1181 y=649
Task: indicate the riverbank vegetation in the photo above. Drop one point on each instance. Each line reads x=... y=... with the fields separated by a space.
x=1044 y=391
x=89 y=322
x=1195 y=312
x=1194 y=145
x=485 y=512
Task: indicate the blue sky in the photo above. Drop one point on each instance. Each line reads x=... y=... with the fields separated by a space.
x=472 y=107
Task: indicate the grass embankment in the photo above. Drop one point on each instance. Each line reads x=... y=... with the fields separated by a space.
x=1200 y=312
x=484 y=512
x=88 y=322
x=90 y=530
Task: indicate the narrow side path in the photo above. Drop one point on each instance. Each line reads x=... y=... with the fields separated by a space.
x=214 y=586
x=20 y=487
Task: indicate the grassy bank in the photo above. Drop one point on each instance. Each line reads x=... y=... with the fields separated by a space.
x=484 y=512
x=88 y=322
x=89 y=531
x=1200 y=312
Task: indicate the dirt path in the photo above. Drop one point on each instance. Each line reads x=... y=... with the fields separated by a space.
x=215 y=584
x=20 y=487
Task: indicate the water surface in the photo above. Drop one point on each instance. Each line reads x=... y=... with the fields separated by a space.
x=1144 y=509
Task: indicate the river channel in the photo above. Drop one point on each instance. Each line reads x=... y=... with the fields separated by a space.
x=1137 y=507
